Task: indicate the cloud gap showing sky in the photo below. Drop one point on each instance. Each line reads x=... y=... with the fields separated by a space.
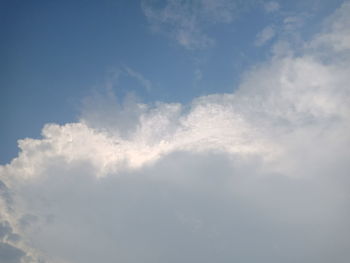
x=257 y=175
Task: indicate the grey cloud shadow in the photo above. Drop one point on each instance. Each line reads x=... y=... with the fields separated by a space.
x=192 y=208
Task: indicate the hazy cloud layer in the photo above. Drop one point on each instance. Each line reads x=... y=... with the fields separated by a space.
x=259 y=175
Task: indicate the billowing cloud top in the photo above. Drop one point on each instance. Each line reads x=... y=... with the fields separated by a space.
x=259 y=175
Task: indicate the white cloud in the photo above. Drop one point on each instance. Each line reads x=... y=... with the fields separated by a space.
x=186 y=21
x=260 y=175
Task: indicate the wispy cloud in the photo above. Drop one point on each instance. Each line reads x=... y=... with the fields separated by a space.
x=271 y=6
x=186 y=21
x=140 y=78
x=336 y=34
x=265 y=35
x=293 y=23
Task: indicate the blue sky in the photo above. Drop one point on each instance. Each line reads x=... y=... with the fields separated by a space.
x=56 y=53
x=175 y=131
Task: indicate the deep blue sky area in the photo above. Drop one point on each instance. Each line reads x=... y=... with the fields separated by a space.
x=55 y=53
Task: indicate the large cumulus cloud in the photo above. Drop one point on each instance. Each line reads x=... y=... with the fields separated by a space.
x=259 y=175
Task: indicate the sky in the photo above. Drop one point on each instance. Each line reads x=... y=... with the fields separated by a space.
x=174 y=131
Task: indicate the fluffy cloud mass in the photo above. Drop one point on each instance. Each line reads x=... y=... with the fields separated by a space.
x=259 y=175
